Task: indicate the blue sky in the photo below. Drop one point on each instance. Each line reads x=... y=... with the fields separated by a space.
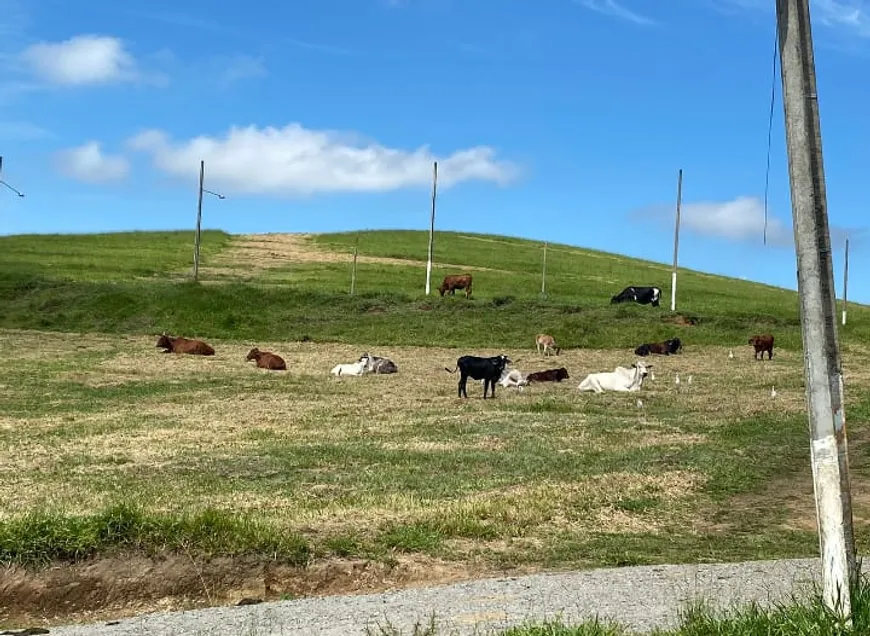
x=563 y=120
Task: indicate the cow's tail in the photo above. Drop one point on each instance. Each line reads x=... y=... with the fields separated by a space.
x=449 y=371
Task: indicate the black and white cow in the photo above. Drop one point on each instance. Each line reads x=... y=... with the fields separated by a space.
x=640 y=295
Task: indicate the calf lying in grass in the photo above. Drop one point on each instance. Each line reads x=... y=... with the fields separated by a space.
x=266 y=360
x=184 y=345
x=550 y=375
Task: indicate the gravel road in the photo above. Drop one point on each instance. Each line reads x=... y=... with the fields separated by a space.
x=641 y=598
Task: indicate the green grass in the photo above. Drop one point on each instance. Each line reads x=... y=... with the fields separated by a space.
x=104 y=257
x=40 y=538
x=134 y=283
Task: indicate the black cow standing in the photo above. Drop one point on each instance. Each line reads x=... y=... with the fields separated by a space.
x=487 y=369
x=640 y=295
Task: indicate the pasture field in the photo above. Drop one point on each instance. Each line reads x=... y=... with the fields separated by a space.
x=149 y=480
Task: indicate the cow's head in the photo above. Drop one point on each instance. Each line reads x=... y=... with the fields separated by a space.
x=365 y=359
x=642 y=368
x=562 y=373
x=674 y=345
x=163 y=342
x=503 y=360
x=253 y=354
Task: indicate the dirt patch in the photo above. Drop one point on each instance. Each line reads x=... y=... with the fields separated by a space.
x=269 y=251
x=127 y=585
x=679 y=319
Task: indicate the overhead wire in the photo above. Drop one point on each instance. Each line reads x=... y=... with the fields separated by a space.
x=770 y=127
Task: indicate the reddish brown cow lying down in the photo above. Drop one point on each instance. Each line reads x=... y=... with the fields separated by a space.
x=184 y=345
x=550 y=375
x=266 y=360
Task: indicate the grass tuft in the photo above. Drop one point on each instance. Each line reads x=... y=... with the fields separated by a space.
x=39 y=538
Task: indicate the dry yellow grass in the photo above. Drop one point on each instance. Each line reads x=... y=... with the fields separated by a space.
x=178 y=416
x=253 y=252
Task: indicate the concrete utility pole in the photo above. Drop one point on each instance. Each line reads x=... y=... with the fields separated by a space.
x=822 y=365
x=196 y=239
x=544 y=272
x=431 y=228
x=353 y=266
x=6 y=185
x=845 y=282
x=676 y=241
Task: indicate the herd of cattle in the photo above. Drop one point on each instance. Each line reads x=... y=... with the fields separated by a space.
x=493 y=370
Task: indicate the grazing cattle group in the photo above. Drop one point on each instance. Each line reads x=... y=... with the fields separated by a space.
x=493 y=370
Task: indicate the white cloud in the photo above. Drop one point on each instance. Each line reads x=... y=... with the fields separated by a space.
x=616 y=10
x=241 y=67
x=296 y=161
x=81 y=60
x=88 y=163
x=739 y=220
x=22 y=131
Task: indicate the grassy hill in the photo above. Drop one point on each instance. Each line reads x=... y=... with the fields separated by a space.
x=291 y=287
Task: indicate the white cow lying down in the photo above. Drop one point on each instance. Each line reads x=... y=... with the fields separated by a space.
x=512 y=378
x=620 y=379
x=354 y=368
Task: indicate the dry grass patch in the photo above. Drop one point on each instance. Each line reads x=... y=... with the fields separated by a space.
x=252 y=252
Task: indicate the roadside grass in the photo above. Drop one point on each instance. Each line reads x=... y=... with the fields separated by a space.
x=800 y=616
x=301 y=463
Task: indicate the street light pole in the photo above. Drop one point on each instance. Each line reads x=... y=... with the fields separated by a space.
x=196 y=240
x=431 y=228
x=6 y=185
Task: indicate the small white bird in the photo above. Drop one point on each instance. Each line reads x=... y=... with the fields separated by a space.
x=689 y=380
x=640 y=404
x=730 y=354
x=677 y=378
x=772 y=392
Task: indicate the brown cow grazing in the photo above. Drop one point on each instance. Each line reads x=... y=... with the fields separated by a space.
x=266 y=360
x=546 y=342
x=458 y=281
x=184 y=345
x=762 y=343
x=550 y=375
